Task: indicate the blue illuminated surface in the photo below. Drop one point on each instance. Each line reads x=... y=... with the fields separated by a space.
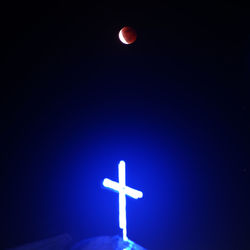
x=123 y=190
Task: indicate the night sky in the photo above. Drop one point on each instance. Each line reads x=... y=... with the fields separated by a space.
x=175 y=105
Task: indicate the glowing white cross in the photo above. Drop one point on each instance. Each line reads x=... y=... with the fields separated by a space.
x=123 y=190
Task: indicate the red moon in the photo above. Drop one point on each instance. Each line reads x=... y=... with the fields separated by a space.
x=127 y=35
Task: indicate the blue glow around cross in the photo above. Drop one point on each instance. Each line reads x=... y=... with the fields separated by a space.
x=123 y=190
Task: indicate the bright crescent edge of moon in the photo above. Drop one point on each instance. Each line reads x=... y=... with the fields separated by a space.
x=121 y=37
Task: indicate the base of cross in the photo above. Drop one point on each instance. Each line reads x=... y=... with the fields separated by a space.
x=123 y=234
x=65 y=242
x=107 y=242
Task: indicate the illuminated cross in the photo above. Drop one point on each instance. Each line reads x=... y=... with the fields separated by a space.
x=123 y=190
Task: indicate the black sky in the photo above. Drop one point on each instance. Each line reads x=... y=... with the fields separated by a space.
x=174 y=105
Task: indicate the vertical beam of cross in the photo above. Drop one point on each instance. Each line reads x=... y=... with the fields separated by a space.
x=122 y=199
x=123 y=190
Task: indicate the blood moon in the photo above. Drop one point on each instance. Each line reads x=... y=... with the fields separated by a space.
x=127 y=35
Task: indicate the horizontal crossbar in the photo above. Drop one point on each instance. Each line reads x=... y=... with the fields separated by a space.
x=118 y=188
